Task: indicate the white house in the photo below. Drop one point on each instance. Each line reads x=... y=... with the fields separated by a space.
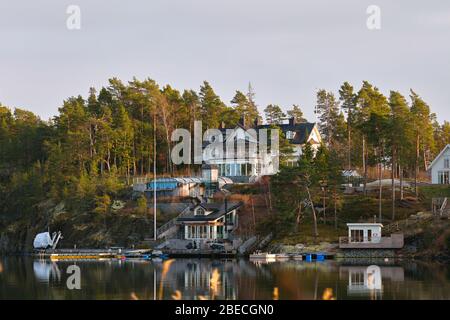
x=368 y=236
x=250 y=164
x=439 y=169
x=364 y=232
x=206 y=222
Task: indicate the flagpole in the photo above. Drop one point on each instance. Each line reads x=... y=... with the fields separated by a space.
x=154 y=176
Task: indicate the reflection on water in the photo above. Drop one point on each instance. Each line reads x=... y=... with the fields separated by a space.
x=45 y=270
x=204 y=279
x=368 y=280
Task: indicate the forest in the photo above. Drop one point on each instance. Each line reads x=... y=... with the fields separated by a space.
x=91 y=150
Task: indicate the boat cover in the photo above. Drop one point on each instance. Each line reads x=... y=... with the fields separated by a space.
x=42 y=241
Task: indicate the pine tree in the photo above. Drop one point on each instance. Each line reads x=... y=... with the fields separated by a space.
x=423 y=132
x=348 y=99
x=327 y=111
x=296 y=113
x=399 y=139
x=211 y=106
x=274 y=114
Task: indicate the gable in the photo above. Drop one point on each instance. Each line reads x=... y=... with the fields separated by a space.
x=315 y=136
x=444 y=152
x=240 y=133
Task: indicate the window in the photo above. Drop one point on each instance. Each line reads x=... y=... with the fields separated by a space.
x=238 y=169
x=447 y=163
x=200 y=212
x=357 y=235
x=289 y=135
x=369 y=235
x=228 y=169
x=220 y=230
x=357 y=278
x=444 y=177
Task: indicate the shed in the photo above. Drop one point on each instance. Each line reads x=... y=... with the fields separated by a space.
x=364 y=232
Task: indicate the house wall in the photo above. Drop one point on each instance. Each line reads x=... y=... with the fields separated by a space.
x=376 y=232
x=439 y=166
x=262 y=164
x=212 y=230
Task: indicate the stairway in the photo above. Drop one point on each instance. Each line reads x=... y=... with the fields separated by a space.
x=444 y=210
x=170 y=228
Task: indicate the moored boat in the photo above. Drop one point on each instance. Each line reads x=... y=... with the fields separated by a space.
x=262 y=256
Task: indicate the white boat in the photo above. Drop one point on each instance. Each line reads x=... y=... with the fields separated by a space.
x=282 y=256
x=44 y=241
x=262 y=256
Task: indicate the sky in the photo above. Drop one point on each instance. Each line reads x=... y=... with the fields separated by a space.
x=287 y=49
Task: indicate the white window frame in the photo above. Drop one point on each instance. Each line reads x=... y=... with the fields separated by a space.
x=447 y=162
x=444 y=177
x=290 y=135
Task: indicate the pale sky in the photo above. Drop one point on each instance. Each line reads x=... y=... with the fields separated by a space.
x=287 y=49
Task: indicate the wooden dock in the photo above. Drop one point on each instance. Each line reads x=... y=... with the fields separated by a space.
x=89 y=254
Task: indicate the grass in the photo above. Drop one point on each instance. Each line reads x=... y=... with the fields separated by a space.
x=327 y=233
x=434 y=191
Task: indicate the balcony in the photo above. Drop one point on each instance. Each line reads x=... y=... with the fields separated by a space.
x=395 y=241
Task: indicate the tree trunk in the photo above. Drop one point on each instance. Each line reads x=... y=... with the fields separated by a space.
x=416 y=167
x=270 y=196
x=364 y=165
x=299 y=214
x=380 y=192
x=349 y=141
x=335 y=211
x=316 y=234
x=393 y=183
x=401 y=181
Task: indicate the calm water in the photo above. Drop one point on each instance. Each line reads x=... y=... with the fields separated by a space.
x=26 y=278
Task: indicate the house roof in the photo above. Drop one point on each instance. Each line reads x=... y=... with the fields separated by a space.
x=209 y=166
x=439 y=155
x=171 y=183
x=364 y=225
x=218 y=210
x=302 y=130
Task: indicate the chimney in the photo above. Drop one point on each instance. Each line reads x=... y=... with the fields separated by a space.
x=222 y=125
x=242 y=121
x=256 y=122
x=292 y=121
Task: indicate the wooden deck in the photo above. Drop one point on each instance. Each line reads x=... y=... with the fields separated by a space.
x=395 y=241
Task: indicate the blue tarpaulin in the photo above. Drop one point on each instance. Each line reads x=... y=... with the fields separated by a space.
x=163 y=184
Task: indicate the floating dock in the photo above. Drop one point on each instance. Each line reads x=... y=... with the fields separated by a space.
x=91 y=254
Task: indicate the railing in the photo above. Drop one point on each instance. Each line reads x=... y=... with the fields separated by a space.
x=358 y=240
x=444 y=205
x=171 y=223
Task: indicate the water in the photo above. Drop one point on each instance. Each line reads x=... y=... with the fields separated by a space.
x=27 y=278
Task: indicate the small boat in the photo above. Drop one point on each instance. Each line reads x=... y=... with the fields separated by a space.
x=297 y=257
x=282 y=256
x=159 y=254
x=263 y=256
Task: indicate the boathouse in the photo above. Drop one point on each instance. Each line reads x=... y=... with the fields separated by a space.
x=368 y=236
